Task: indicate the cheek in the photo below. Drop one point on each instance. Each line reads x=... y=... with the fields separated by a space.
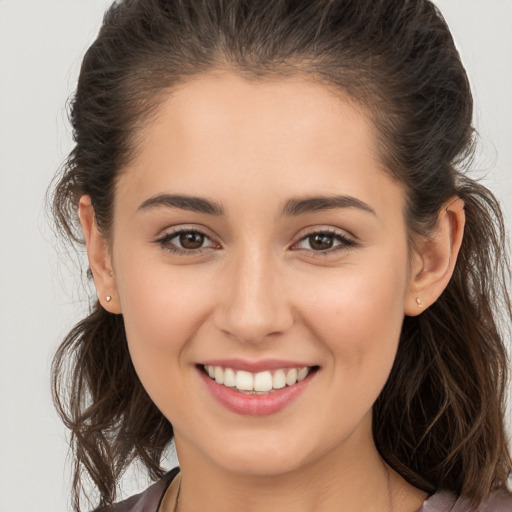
x=359 y=317
x=160 y=304
x=162 y=312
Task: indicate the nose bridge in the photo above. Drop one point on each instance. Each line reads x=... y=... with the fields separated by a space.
x=254 y=303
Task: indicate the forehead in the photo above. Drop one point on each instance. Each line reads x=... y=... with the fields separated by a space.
x=222 y=132
x=262 y=112
x=226 y=96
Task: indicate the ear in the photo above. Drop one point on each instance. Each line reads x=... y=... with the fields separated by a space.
x=435 y=257
x=99 y=256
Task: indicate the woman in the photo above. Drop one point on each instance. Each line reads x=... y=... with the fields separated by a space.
x=296 y=280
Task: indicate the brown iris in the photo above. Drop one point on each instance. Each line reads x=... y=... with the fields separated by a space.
x=191 y=240
x=321 y=241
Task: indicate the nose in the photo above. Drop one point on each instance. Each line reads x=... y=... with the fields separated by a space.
x=253 y=306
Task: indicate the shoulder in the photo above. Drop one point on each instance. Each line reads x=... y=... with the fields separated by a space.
x=498 y=501
x=148 y=500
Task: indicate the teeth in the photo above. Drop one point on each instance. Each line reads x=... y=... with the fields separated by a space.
x=302 y=374
x=244 y=380
x=261 y=382
x=229 y=378
x=219 y=375
x=291 y=377
x=279 y=379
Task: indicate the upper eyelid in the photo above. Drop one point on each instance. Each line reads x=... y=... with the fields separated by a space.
x=194 y=228
x=172 y=232
x=346 y=241
x=311 y=230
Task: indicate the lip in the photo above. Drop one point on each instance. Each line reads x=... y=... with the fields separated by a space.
x=254 y=405
x=254 y=366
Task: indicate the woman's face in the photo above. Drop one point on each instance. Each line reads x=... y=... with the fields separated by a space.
x=255 y=235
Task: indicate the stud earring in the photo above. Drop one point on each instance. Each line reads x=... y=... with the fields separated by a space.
x=418 y=301
x=109 y=298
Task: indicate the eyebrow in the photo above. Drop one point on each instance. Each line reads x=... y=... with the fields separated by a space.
x=295 y=207
x=183 y=202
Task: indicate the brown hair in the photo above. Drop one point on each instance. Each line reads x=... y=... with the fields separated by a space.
x=439 y=421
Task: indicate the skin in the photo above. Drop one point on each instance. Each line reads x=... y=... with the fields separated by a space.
x=259 y=289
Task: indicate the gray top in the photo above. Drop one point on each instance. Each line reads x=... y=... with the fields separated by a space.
x=499 y=501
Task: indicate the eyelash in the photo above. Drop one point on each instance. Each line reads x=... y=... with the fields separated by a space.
x=344 y=242
x=165 y=242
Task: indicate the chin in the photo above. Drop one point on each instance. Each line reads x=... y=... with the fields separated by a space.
x=261 y=463
x=267 y=454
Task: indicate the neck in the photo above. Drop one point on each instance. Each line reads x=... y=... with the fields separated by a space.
x=352 y=481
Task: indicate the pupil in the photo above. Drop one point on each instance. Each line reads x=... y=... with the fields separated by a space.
x=320 y=242
x=191 y=240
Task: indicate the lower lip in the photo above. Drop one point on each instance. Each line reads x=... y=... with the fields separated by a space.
x=255 y=405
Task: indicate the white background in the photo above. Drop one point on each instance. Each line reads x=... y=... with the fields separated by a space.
x=41 y=45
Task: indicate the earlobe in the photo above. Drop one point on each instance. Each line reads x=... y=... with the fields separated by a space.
x=435 y=258
x=99 y=257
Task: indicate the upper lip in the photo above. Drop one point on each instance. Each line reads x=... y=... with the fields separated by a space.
x=254 y=366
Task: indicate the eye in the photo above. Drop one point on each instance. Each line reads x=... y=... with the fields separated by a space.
x=186 y=241
x=324 y=241
x=190 y=240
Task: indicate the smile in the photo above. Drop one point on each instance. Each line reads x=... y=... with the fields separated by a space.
x=256 y=383
x=268 y=389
